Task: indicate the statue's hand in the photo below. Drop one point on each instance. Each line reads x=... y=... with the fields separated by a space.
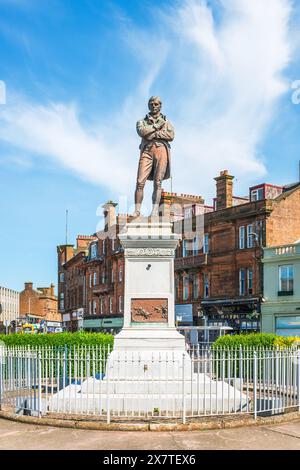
x=160 y=124
x=150 y=136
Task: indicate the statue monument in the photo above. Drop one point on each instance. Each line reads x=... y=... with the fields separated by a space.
x=156 y=132
x=149 y=363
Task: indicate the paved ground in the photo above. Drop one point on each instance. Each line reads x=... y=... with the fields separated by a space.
x=27 y=436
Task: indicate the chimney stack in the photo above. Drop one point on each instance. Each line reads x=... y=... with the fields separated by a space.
x=109 y=214
x=224 y=190
x=52 y=293
x=28 y=285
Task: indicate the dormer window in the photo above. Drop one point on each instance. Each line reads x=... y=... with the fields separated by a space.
x=257 y=194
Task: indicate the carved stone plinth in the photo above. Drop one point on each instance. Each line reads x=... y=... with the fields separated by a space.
x=149 y=323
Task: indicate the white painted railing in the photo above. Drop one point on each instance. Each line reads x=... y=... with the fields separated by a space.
x=202 y=382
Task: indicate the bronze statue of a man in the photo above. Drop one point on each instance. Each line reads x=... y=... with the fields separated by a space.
x=156 y=133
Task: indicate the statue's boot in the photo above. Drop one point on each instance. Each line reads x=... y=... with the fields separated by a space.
x=138 y=199
x=156 y=197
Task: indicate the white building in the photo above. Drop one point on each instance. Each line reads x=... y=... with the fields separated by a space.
x=9 y=305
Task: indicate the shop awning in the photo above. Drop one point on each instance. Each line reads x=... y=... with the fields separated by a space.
x=240 y=301
x=103 y=323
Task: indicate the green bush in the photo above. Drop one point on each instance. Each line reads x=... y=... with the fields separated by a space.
x=58 y=339
x=254 y=340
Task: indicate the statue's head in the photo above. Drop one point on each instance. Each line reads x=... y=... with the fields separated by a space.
x=154 y=104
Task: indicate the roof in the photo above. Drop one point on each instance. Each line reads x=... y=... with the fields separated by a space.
x=75 y=258
x=288 y=192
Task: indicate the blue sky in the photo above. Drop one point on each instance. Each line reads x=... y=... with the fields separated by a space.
x=78 y=75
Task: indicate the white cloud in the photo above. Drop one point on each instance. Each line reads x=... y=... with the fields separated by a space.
x=56 y=131
x=221 y=82
x=238 y=78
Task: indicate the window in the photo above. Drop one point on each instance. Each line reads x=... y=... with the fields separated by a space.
x=62 y=277
x=120 y=304
x=259 y=229
x=249 y=236
x=95 y=279
x=188 y=212
x=112 y=276
x=288 y=326
x=185 y=288
x=196 y=246
x=242 y=237
x=103 y=247
x=113 y=243
x=103 y=277
x=177 y=288
x=110 y=305
x=205 y=243
x=62 y=304
x=101 y=305
x=286 y=279
x=120 y=274
x=91 y=278
x=94 y=250
x=90 y=307
x=196 y=286
x=184 y=248
x=94 y=307
x=250 y=280
x=242 y=279
x=257 y=194
x=206 y=286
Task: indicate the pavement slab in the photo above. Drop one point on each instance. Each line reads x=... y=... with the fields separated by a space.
x=14 y=435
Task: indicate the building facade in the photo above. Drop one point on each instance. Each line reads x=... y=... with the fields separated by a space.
x=104 y=271
x=9 y=306
x=91 y=278
x=280 y=311
x=39 y=304
x=218 y=265
x=71 y=281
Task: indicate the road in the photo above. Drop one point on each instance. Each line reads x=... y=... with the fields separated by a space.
x=22 y=436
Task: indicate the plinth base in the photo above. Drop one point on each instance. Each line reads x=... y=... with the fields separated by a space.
x=143 y=338
x=138 y=397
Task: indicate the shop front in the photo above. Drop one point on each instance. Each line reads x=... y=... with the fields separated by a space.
x=110 y=325
x=242 y=315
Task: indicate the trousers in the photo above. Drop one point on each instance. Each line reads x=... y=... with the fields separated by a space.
x=152 y=165
x=155 y=161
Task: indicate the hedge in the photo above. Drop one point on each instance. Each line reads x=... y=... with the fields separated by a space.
x=255 y=340
x=58 y=339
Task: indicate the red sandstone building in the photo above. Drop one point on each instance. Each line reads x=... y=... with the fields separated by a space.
x=39 y=304
x=72 y=282
x=218 y=269
x=91 y=278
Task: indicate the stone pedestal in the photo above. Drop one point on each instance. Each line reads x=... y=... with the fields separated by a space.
x=149 y=318
x=149 y=368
